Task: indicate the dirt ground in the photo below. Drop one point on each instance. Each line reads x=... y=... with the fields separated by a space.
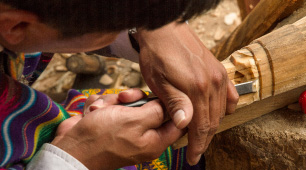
x=211 y=27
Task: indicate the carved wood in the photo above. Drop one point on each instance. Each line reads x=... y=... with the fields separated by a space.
x=277 y=61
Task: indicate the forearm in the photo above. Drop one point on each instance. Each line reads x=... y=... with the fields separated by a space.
x=121 y=47
x=163 y=33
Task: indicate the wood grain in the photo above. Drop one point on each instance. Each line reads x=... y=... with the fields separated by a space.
x=280 y=59
x=263 y=17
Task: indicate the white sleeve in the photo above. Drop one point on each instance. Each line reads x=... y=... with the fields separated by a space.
x=50 y=157
x=122 y=47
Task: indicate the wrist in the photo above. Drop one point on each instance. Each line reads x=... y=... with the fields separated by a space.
x=71 y=147
x=160 y=34
x=81 y=150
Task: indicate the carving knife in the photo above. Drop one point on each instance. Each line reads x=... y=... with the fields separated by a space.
x=242 y=88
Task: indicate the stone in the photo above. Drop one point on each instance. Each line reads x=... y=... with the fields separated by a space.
x=219 y=34
x=61 y=68
x=133 y=79
x=106 y=80
x=135 y=67
x=274 y=141
x=230 y=18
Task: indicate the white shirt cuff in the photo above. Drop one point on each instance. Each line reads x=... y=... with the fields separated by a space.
x=122 y=47
x=50 y=157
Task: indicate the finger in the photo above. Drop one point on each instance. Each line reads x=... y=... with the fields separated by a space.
x=89 y=101
x=217 y=110
x=101 y=102
x=177 y=104
x=151 y=115
x=131 y=95
x=198 y=129
x=98 y=104
x=232 y=98
x=164 y=136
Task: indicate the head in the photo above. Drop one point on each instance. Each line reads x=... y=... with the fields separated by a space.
x=38 y=24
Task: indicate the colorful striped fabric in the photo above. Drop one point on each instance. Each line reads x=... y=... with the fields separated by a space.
x=29 y=118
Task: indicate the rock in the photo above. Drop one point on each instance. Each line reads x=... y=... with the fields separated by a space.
x=86 y=64
x=112 y=69
x=135 y=67
x=61 y=68
x=274 y=141
x=106 y=80
x=66 y=55
x=65 y=82
x=219 y=34
x=132 y=80
x=230 y=18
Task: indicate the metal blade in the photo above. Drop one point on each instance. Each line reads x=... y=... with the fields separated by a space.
x=242 y=88
x=246 y=88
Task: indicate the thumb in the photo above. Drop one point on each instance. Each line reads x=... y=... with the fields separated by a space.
x=178 y=105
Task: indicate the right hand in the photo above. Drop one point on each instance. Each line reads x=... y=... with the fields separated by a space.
x=111 y=136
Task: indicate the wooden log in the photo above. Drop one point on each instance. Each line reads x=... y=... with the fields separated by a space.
x=278 y=62
x=251 y=112
x=246 y=6
x=85 y=64
x=263 y=17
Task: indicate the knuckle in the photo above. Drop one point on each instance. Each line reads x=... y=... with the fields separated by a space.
x=202 y=84
x=206 y=130
x=235 y=98
x=200 y=148
x=202 y=131
x=174 y=102
x=151 y=147
x=213 y=130
x=221 y=118
x=90 y=100
x=142 y=144
x=218 y=79
x=158 y=112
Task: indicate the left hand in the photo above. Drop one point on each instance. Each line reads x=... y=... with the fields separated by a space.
x=111 y=136
x=189 y=80
x=95 y=102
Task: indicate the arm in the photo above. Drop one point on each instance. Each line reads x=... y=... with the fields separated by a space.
x=121 y=47
x=187 y=78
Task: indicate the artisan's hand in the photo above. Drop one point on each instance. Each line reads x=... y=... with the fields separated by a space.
x=112 y=136
x=188 y=79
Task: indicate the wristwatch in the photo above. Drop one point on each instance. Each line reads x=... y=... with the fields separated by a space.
x=132 y=30
x=134 y=43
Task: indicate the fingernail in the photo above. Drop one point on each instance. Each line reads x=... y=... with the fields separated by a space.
x=127 y=91
x=196 y=160
x=178 y=117
x=96 y=105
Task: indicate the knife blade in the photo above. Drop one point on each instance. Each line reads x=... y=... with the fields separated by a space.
x=242 y=88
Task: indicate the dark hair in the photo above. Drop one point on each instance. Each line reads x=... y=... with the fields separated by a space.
x=76 y=17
